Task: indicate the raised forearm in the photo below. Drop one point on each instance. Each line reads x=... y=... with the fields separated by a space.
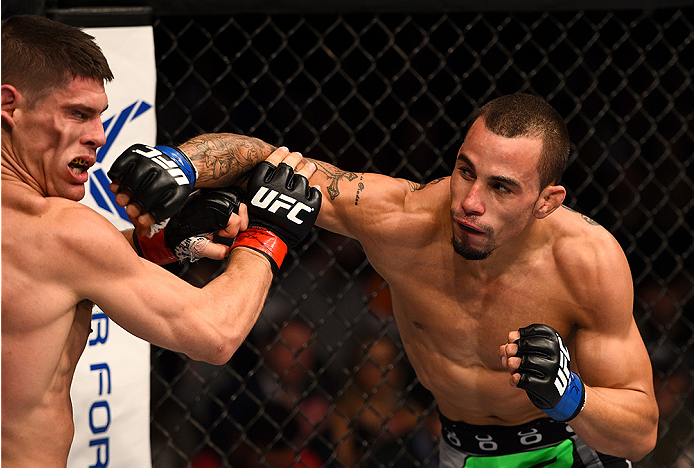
x=618 y=422
x=224 y=159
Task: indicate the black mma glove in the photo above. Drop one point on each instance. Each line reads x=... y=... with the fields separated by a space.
x=545 y=373
x=282 y=208
x=158 y=178
x=205 y=212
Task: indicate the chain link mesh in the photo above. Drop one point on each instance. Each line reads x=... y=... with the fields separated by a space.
x=323 y=380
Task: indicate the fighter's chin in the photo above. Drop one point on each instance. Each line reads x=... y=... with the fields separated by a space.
x=469 y=253
x=76 y=192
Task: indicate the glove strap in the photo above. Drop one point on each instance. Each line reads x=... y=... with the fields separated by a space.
x=265 y=242
x=154 y=248
x=571 y=403
x=183 y=161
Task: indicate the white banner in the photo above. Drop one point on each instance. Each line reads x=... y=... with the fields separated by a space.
x=111 y=388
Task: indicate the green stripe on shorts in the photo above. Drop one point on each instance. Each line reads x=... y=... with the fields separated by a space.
x=558 y=456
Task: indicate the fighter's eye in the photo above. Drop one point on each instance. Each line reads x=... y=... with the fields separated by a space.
x=466 y=172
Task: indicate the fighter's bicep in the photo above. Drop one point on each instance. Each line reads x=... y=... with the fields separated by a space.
x=616 y=359
x=141 y=297
x=100 y=265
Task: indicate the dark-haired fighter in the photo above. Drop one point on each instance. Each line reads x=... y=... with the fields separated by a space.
x=490 y=256
x=60 y=257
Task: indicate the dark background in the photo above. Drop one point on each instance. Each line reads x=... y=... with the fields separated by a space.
x=390 y=87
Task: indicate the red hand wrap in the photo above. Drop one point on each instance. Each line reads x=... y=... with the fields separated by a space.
x=155 y=250
x=265 y=242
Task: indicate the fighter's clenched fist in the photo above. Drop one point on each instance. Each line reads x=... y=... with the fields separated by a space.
x=155 y=181
x=282 y=207
x=539 y=363
x=188 y=233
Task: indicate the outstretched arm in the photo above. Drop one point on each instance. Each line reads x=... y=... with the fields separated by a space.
x=209 y=160
x=223 y=159
x=206 y=323
x=355 y=203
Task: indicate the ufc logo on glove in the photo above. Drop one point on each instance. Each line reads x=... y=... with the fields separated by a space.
x=271 y=190
x=563 y=374
x=168 y=163
x=265 y=198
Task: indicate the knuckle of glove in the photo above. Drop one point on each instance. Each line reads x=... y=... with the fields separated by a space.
x=282 y=203
x=538 y=366
x=130 y=179
x=285 y=175
x=300 y=184
x=538 y=329
x=149 y=184
x=166 y=204
x=538 y=345
x=130 y=167
x=205 y=212
x=124 y=164
x=220 y=204
x=119 y=169
x=231 y=197
x=263 y=172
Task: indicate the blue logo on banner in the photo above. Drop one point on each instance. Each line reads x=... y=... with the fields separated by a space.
x=99 y=182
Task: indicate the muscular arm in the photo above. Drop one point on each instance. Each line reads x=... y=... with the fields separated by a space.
x=205 y=323
x=357 y=204
x=621 y=415
x=225 y=158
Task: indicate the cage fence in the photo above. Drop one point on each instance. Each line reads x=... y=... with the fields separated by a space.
x=323 y=380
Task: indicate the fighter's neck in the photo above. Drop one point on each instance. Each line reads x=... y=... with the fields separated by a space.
x=14 y=171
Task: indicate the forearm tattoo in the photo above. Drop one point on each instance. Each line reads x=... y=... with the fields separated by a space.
x=224 y=158
x=335 y=175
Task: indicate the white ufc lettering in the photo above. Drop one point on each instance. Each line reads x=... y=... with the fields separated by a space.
x=272 y=201
x=562 y=380
x=167 y=163
x=283 y=201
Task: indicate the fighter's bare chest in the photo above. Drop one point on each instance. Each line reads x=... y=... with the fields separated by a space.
x=469 y=311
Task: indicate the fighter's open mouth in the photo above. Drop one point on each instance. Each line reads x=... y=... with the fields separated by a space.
x=78 y=165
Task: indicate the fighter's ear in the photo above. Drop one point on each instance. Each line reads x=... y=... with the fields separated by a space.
x=550 y=199
x=10 y=97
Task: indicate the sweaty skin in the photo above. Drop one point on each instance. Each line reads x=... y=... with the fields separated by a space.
x=59 y=257
x=548 y=264
x=471 y=258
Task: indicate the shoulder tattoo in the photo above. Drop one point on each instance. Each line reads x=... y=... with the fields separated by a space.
x=585 y=218
x=335 y=175
x=416 y=186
